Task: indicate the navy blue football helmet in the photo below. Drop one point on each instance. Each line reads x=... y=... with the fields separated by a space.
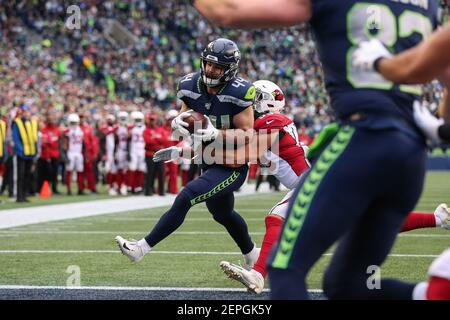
x=223 y=52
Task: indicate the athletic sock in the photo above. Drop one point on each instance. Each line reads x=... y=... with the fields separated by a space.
x=273 y=228
x=418 y=220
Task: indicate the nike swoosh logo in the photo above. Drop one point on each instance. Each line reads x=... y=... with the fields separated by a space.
x=269 y=122
x=125 y=246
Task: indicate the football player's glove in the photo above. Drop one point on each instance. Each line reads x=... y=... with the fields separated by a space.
x=208 y=134
x=167 y=154
x=368 y=53
x=179 y=125
x=428 y=123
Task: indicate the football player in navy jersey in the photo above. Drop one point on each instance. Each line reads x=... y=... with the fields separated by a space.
x=423 y=63
x=226 y=100
x=371 y=171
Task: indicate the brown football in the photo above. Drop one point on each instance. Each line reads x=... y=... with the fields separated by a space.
x=195 y=121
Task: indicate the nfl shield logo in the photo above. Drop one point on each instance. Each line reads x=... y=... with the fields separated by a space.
x=208 y=105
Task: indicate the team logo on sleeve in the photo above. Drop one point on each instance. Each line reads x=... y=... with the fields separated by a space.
x=251 y=93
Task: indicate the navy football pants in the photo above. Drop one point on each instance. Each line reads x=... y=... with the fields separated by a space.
x=215 y=187
x=358 y=192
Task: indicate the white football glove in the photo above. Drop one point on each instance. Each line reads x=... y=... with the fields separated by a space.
x=367 y=53
x=179 y=125
x=428 y=123
x=167 y=154
x=208 y=134
x=305 y=149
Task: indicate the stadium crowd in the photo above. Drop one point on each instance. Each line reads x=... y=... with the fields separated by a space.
x=49 y=71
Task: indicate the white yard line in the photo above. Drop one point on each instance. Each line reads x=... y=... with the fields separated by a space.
x=100 y=232
x=424 y=235
x=193 y=233
x=105 y=288
x=180 y=252
x=187 y=219
x=25 y=216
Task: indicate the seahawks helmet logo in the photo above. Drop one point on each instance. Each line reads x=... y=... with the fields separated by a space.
x=212 y=58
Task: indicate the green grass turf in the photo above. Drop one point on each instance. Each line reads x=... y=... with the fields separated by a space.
x=183 y=270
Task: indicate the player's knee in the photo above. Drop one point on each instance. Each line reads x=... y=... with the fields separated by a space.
x=184 y=198
x=219 y=209
x=221 y=217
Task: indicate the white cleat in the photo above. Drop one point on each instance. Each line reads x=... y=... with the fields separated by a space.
x=252 y=279
x=112 y=192
x=251 y=258
x=442 y=212
x=439 y=281
x=130 y=249
x=123 y=190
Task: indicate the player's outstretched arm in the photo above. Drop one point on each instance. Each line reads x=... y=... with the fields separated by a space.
x=173 y=153
x=420 y=64
x=250 y=152
x=255 y=13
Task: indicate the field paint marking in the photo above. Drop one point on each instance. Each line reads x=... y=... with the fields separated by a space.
x=183 y=233
x=188 y=253
x=57 y=212
x=20 y=287
x=187 y=219
x=52 y=231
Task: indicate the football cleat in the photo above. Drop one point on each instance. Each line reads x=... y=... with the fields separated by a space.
x=112 y=192
x=439 y=282
x=252 y=280
x=442 y=212
x=130 y=249
x=123 y=190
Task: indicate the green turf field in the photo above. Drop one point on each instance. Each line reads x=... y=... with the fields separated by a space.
x=190 y=257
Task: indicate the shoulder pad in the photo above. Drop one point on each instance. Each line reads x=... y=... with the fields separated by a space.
x=239 y=92
x=188 y=86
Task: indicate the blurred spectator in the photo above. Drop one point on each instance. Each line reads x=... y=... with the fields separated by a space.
x=50 y=142
x=25 y=137
x=128 y=56
x=155 y=139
